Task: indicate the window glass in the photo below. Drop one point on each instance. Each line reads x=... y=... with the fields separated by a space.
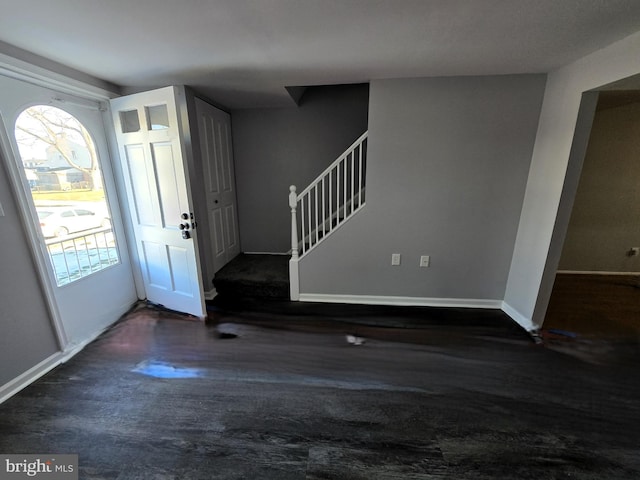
x=158 y=117
x=130 y=121
x=62 y=169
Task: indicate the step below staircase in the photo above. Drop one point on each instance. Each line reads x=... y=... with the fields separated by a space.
x=254 y=276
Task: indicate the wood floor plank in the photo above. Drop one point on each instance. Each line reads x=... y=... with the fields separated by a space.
x=159 y=396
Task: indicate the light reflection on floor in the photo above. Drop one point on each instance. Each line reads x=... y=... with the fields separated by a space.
x=166 y=370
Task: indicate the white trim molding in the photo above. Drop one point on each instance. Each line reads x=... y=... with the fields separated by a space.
x=294 y=282
x=211 y=294
x=516 y=316
x=24 y=65
x=594 y=272
x=519 y=318
x=22 y=381
x=268 y=253
x=12 y=387
x=404 y=301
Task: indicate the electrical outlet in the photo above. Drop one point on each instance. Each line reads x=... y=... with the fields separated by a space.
x=1 y=211
x=395 y=259
x=424 y=261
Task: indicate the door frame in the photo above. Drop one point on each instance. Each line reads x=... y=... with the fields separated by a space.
x=122 y=199
x=20 y=196
x=79 y=91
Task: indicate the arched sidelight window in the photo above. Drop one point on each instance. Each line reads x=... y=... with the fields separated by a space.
x=62 y=168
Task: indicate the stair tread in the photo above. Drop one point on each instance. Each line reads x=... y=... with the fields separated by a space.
x=254 y=276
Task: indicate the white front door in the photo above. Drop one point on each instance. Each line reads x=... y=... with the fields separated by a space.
x=214 y=130
x=86 y=274
x=154 y=162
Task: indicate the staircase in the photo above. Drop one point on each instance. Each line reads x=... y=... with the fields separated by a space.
x=326 y=204
x=320 y=209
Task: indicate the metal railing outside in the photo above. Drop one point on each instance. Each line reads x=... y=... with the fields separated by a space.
x=81 y=254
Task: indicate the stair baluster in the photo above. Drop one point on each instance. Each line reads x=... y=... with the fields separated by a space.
x=341 y=194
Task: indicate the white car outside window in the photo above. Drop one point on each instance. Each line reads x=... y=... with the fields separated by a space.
x=61 y=221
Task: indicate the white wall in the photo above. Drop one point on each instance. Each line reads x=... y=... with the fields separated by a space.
x=28 y=343
x=447 y=167
x=529 y=284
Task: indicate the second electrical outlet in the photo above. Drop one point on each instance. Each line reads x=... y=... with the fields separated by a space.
x=424 y=261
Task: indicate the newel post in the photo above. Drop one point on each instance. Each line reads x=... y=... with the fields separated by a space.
x=293 y=204
x=294 y=280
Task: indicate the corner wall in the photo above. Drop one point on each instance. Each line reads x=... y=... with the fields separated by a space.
x=536 y=256
x=447 y=167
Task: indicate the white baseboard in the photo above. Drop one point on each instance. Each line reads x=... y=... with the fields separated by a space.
x=519 y=318
x=404 y=301
x=12 y=387
x=516 y=316
x=210 y=295
x=268 y=253
x=584 y=272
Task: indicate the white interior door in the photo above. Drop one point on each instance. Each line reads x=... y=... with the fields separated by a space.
x=86 y=274
x=214 y=130
x=153 y=155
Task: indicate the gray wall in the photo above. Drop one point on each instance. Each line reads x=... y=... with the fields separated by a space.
x=605 y=222
x=26 y=332
x=448 y=165
x=275 y=148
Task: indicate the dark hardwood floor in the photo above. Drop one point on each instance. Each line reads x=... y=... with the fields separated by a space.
x=595 y=305
x=279 y=394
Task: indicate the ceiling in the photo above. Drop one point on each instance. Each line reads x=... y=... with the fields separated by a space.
x=243 y=53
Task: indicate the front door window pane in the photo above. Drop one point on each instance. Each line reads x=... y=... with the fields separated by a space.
x=62 y=168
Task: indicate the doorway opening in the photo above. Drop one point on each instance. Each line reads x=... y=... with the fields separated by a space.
x=597 y=285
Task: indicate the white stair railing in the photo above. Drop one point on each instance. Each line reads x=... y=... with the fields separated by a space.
x=329 y=201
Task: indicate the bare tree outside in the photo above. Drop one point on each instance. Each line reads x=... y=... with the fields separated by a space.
x=62 y=167
x=44 y=128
